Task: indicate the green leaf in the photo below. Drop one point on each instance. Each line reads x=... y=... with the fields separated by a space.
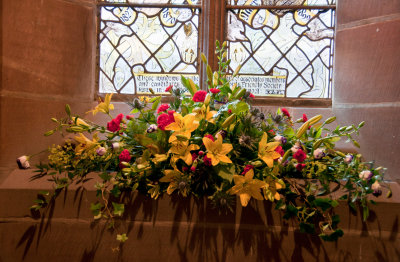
x=95 y=208
x=122 y=238
x=227 y=172
x=156 y=101
x=118 y=209
x=332 y=237
x=45 y=193
x=335 y=221
x=105 y=176
x=291 y=211
x=288 y=132
x=280 y=204
x=134 y=111
x=307 y=228
x=68 y=109
x=365 y=213
x=325 y=203
x=240 y=107
x=115 y=191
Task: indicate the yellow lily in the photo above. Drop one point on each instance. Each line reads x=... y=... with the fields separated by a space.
x=247 y=187
x=271 y=188
x=266 y=151
x=217 y=150
x=85 y=143
x=181 y=150
x=176 y=180
x=183 y=126
x=104 y=107
x=204 y=113
x=158 y=158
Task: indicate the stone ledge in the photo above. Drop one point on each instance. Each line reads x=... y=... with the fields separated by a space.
x=180 y=229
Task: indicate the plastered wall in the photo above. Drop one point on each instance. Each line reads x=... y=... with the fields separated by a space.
x=48 y=52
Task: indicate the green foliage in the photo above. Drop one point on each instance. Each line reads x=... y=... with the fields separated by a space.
x=217 y=148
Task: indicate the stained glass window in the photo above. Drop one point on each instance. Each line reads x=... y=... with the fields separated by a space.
x=284 y=47
x=147 y=44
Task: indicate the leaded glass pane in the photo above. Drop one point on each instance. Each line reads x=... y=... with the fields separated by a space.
x=282 y=52
x=281 y=2
x=147 y=47
x=149 y=2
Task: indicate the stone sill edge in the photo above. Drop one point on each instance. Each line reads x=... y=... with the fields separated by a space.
x=21 y=180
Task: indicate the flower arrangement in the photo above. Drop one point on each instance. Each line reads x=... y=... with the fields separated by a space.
x=213 y=143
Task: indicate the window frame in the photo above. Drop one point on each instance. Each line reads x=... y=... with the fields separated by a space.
x=212 y=23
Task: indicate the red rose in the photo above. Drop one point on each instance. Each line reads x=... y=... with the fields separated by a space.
x=215 y=90
x=199 y=96
x=285 y=112
x=300 y=167
x=114 y=125
x=210 y=137
x=207 y=161
x=251 y=95
x=300 y=156
x=162 y=108
x=168 y=88
x=271 y=131
x=229 y=111
x=129 y=117
x=246 y=169
x=305 y=118
x=280 y=150
x=125 y=156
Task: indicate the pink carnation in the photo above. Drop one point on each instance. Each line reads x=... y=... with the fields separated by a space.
x=300 y=167
x=285 y=112
x=215 y=90
x=125 y=156
x=162 y=108
x=300 y=156
x=168 y=88
x=114 y=125
x=251 y=95
x=210 y=137
x=165 y=119
x=207 y=161
x=199 y=96
x=280 y=150
x=305 y=118
x=247 y=168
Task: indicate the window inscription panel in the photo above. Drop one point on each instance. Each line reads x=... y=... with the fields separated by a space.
x=284 y=47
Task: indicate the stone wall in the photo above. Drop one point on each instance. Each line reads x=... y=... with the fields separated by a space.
x=49 y=57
